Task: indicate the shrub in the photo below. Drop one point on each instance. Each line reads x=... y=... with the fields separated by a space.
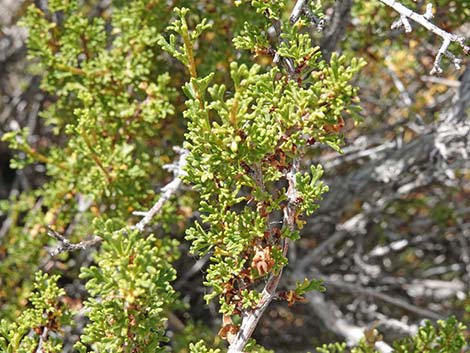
x=126 y=86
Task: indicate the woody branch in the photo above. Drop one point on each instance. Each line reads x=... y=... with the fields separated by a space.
x=251 y=319
x=66 y=245
x=424 y=20
x=167 y=191
x=301 y=7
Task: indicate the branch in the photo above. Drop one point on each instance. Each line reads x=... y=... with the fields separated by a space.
x=441 y=81
x=405 y=95
x=66 y=245
x=423 y=20
x=336 y=29
x=287 y=62
x=269 y=292
x=167 y=191
x=395 y=167
x=297 y=11
x=334 y=320
x=251 y=319
x=393 y=300
x=42 y=339
x=194 y=269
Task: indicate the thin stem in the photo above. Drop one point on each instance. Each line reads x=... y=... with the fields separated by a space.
x=78 y=71
x=95 y=157
x=71 y=69
x=192 y=68
x=189 y=50
x=35 y=154
x=169 y=190
x=39 y=156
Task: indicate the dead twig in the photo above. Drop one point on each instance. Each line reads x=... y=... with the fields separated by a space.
x=66 y=245
x=167 y=191
x=393 y=300
x=335 y=321
x=424 y=20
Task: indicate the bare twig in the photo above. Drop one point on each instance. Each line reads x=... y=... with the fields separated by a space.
x=198 y=265
x=301 y=7
x=398 y=302
x=337 y=24
x=167 y=191
x=297 y=11
x=287 y=62
x=423 y=20
x=7 y=223
x=334 y=320
x=66 y=245
x=433 y=288
x=318 y=22
x=404 y=94
x=441 y=81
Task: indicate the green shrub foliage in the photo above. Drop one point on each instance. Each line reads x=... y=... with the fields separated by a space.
x=245 y=148
x=44 y=318
x=447 y=336
x=125 y=86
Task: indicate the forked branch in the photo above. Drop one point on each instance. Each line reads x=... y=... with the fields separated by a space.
x=66 y=245
x=406 y=14
x=424 y=20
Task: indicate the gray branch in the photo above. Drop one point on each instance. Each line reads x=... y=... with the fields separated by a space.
x=66 y=245
x=423 y=20
x=297 y=11
x=336 y=29
x=333 y=319
x=167 y=191
x=429 y=158
x=393 y=300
